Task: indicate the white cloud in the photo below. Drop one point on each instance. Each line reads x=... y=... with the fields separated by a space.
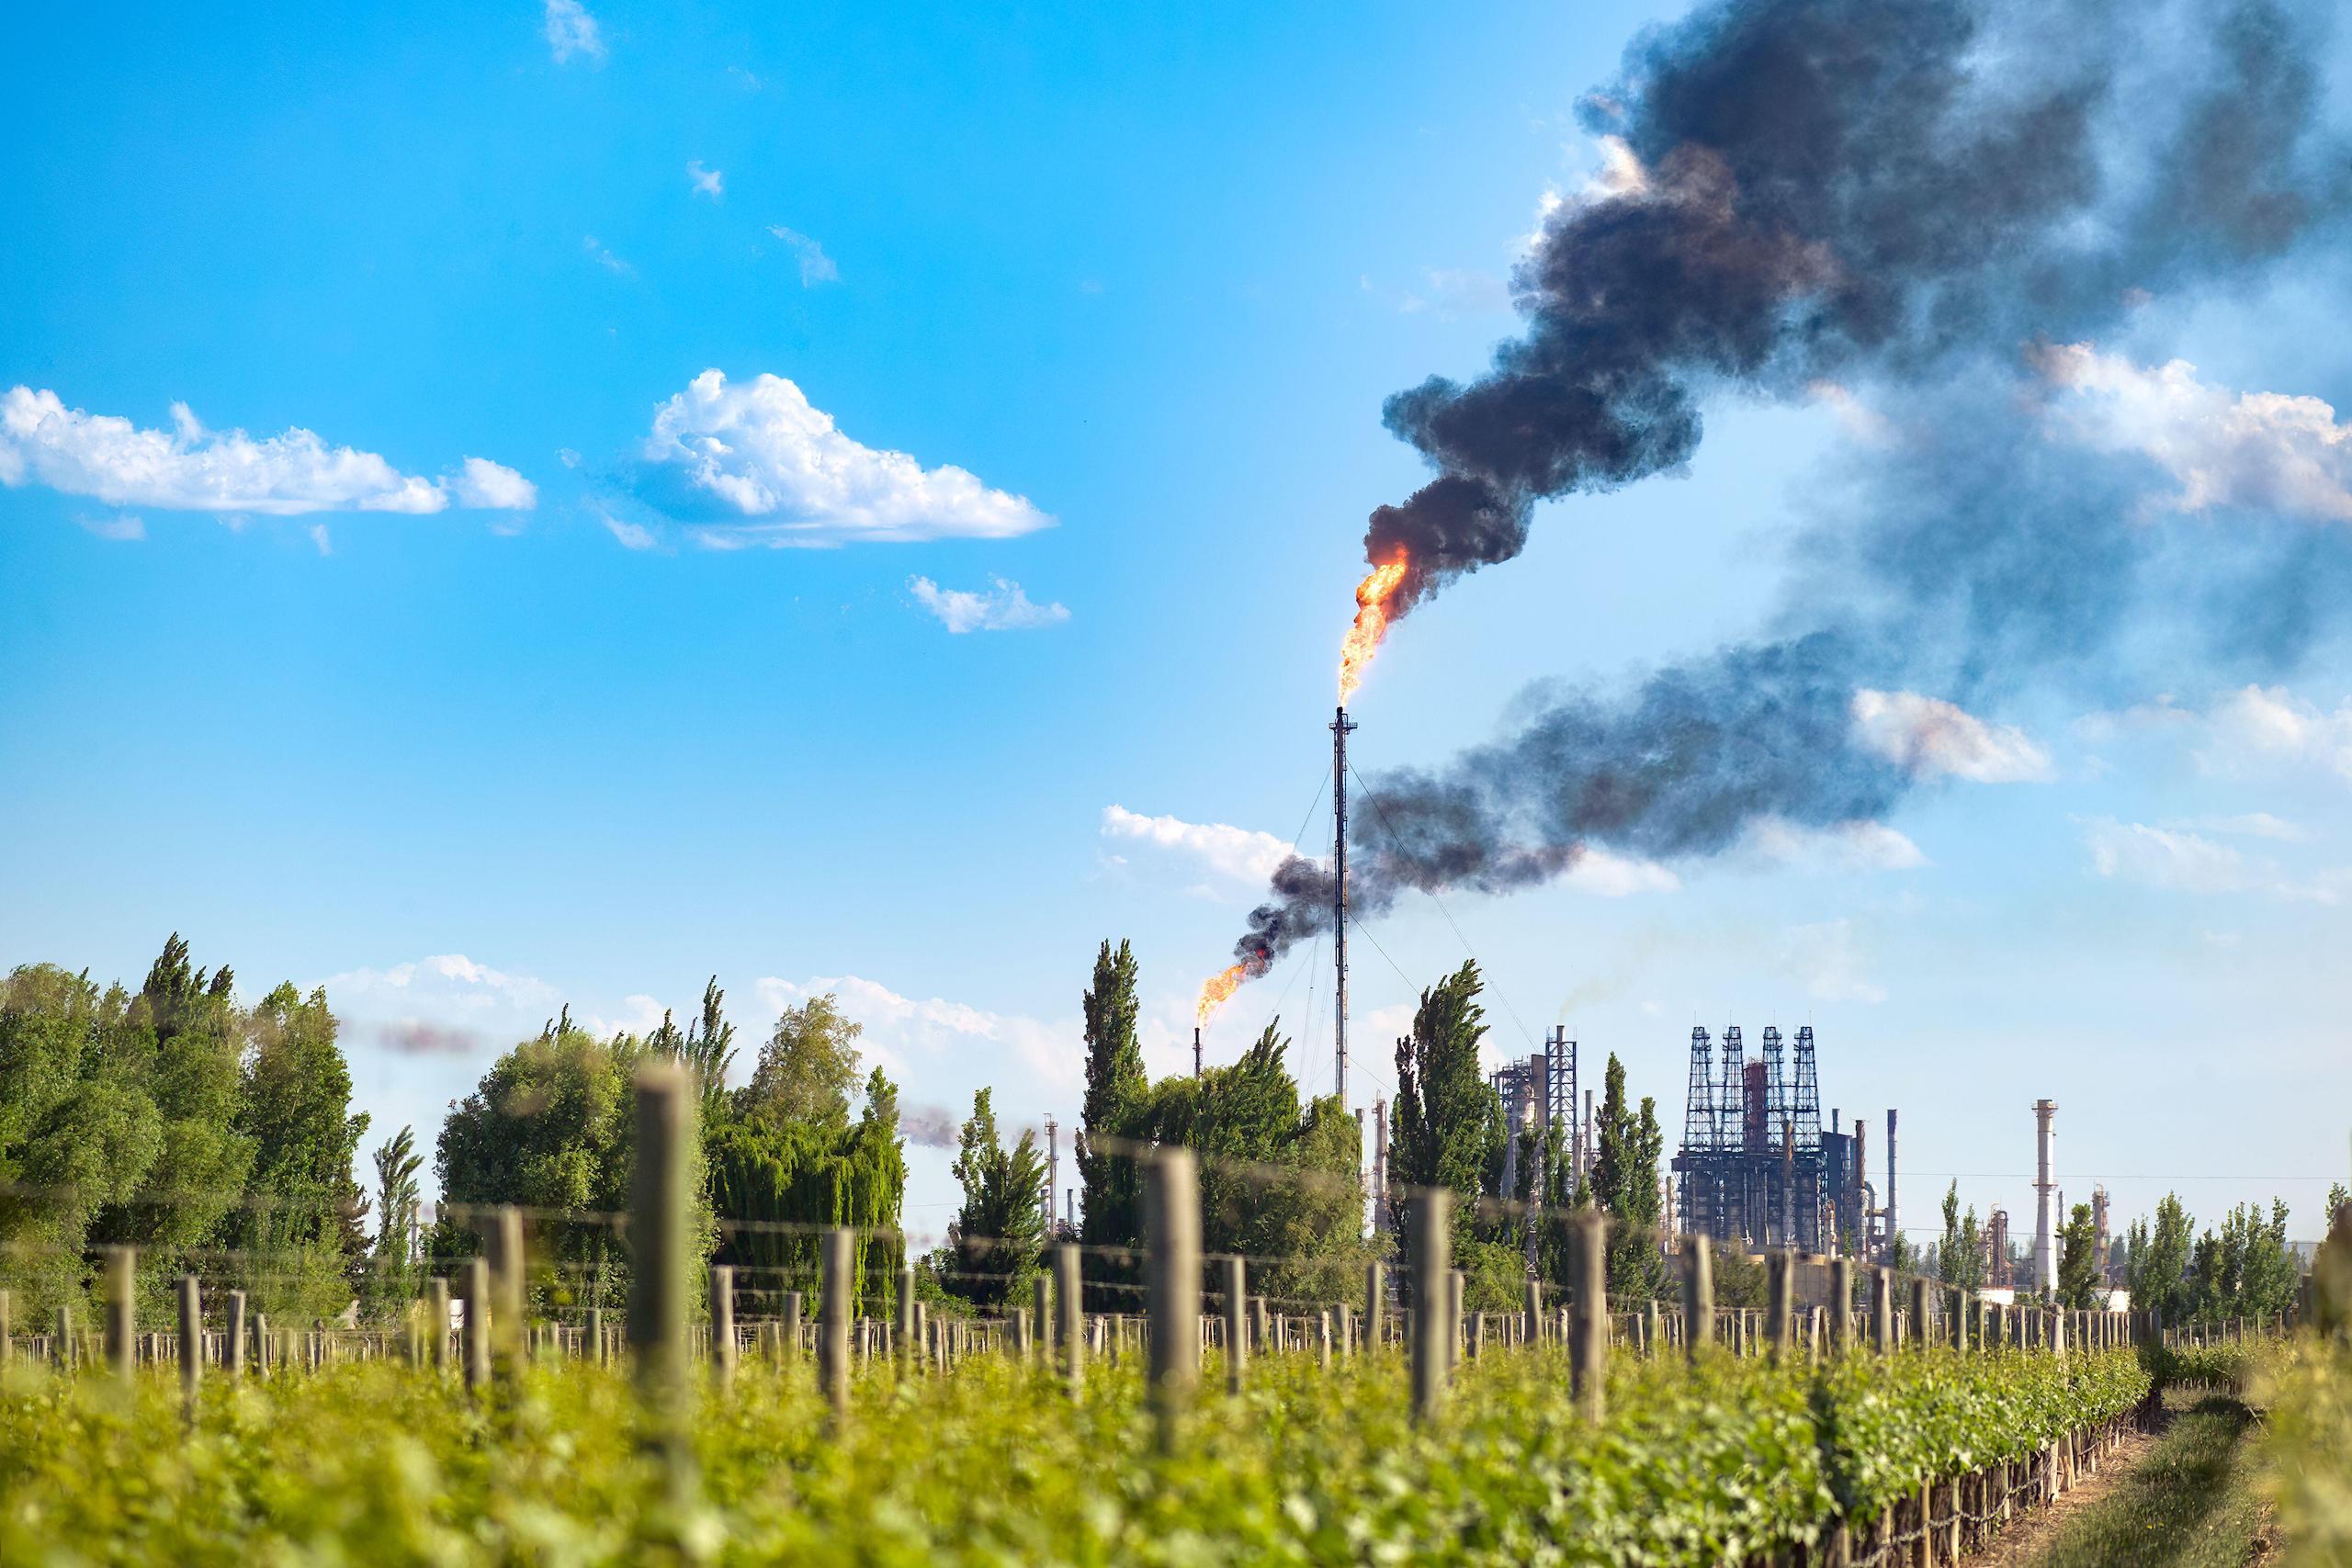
x=760 y=449
x=711 y=183
x=901 y=1033
x=124 y=528
x=1828 y=960
x=1606 y=875
x=816 y=266
x=1243 y=854
x=1863 y=422
x=1002 y=608
x=2271 y=724
x=2254 y=449
x=638 y=1014
x=573 y=33
x=1928 y=735
x=191 y=469
x=319 y=537
x=604 y=258
x=2175 y=860
x=2251 y=825
x=493 y=486
x=633 y=537
x=1843 y=846
x=445 y=983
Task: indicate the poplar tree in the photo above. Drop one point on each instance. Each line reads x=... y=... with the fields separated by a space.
x=1447 y=1124
x=1118 y=1101
x=1624 y=1186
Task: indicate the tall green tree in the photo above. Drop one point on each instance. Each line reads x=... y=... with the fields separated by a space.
x=1960 y=1256
x=294 y=1108
x=808 y=1070
x=1446 y=1127
x=2079 y=1258
x=1624 y=1186
x=998 y=1234
x=398 y=1203
x=1117 y=1103
x=2157 y=1270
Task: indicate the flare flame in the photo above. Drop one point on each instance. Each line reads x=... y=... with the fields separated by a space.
x=1374 y=597
x=1217 y=989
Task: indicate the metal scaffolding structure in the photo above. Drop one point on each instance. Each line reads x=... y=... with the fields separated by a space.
x=1539 y=1094
x=1754 y=1164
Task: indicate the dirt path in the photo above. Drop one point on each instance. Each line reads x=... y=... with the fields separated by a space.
x=2031 y=1534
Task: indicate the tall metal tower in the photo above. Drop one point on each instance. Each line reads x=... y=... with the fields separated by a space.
x=1808 y=1106
x=1341 y=728
x=1776 y=1088
x=1699 y=1124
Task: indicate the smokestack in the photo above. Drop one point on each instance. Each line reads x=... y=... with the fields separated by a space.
x=1856 y=1185
x=1196 y=1050
x=1380 y=1163
x=2045 y=1189
x=1894 y=1224
x=1053 y=1172
x=1341 y=728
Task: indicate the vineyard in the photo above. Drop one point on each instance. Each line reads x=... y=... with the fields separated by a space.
x=1891 y=1425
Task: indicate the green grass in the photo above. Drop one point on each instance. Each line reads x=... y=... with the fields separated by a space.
x=2190 y=1503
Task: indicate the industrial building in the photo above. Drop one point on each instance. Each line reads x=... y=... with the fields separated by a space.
x=1539 y=1092
x=1757 y=1168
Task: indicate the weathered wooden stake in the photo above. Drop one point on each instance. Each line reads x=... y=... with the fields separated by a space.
x=1920 y=1298
x=476 y=1328
x=1042 y=1304
x=1171 y=1223
x=1375 y=1305
x=722 y=1325
x=1780 y=1300
x=1236 y=1333
x=1882 y=1310
x=233 y=1340
x=191 y=1343
x=1323 y=1340
x=507 y=1339
x=834 y=1307
x=1841 y=1305
x=1698 y=1296
x=1432 y=1283
x=121 y=1267
x=659 y=1200
x=790 y=1333
x=1589 y=1310
x=1066 y=1301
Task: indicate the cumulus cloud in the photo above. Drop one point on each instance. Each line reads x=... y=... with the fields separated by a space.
x=2264 y=450
x=1606 y=875
x=573 y=33
x=1002 y=607
x=1844 y=846
x=711 y=183
x=816 y=266
x=1242 y=854
x=449 y=978
x=2271 y=724
x=1828 y=959
x=760 y=449
x=493 y=486
x=1929 y=735
x=901 y=1033
x=124 y=528
x=2175 y=860
x=604 y=258
x=191 y=469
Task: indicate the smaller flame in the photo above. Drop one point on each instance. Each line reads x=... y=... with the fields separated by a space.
x=1218 y=988
x=1372 y=597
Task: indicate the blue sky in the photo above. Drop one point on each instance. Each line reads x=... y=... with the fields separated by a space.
x=356 y=712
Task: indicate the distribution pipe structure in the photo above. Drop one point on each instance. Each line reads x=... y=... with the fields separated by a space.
x=1341 y=727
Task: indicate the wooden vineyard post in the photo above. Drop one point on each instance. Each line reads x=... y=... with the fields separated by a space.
x=1323 y=1340
x=1780 y=1299
x=1916 y=1334
x=1957 y=1330
x=833 y=1309
x=1237 y=1335
x=191 y=1344
x=505 y=1314
x=599 y=1340
x=1698 y=1296
x=1042 y=1297
x=1171 y=1220
x=1067 y=1302
x=906 y=1351
x=1882 y=1310
x=722 y=1325
x=437 y=1321
x=1433 y=1248
x=1589 y=1307
x=477 y=1330
x=121 y=1268
x=1653 y=1330
x=1375 y=1305
x=657 y=1292
x=1456 y=1284
x=233 y=1340
x=788 y=1336
x=1533 y=1328
x=1841 y=1305
x=60 y=1347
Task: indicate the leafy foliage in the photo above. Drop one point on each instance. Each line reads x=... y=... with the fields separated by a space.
x=1447 y=1122
x=998 y=1234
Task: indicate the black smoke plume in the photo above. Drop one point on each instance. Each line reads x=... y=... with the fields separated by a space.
x=1902 y=194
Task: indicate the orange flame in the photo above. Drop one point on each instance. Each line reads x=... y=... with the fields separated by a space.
x=1216 y=989
x=1364 y=638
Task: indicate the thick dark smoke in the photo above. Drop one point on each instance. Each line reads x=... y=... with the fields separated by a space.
x=1835 y=186
x=1901 y=194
